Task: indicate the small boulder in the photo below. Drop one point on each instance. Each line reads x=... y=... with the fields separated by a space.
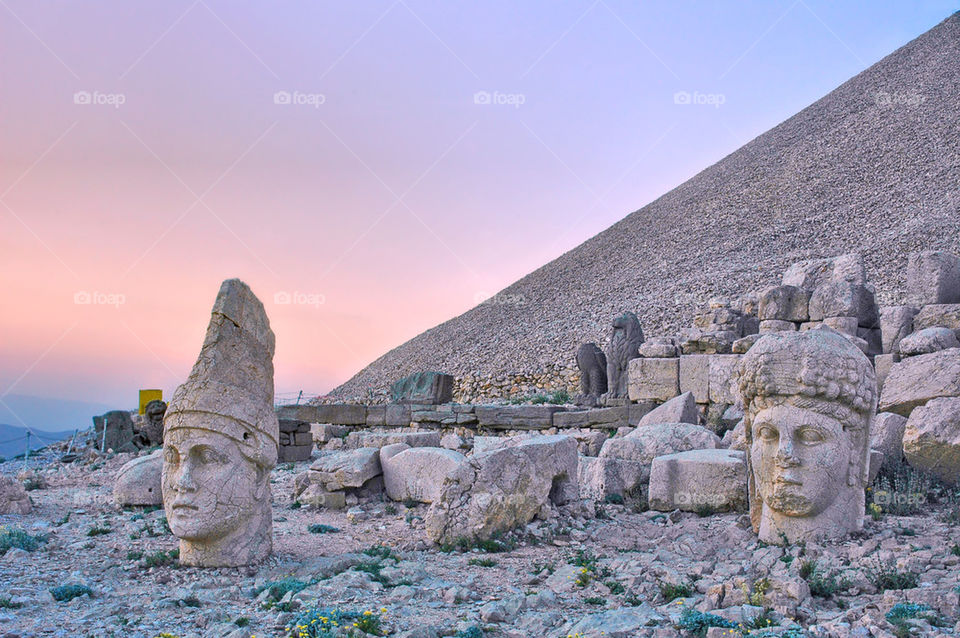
x=886 y=436
x=418 y=473
x=931 y=439
x=915 y=380
x=138 y=481
x=600 y=477
x=928 y=340
x=681 y=409
x=645 y=444
x=13 y=498
x=697 y=479
x=346 y=469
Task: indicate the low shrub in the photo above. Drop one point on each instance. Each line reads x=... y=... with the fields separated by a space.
x=482 y=562
x=66 y=593
x=886 y=576
x=320 y=528
x=822 y=584
x=97 y=530
x=672 y=591
x=161 y=558
x=11 y=537
x=697 y=622
x=328 y=623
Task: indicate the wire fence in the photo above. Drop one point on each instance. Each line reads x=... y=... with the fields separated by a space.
x=293 y=398
x=37 y=440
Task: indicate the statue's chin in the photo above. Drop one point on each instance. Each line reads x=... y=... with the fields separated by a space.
x=789 y=503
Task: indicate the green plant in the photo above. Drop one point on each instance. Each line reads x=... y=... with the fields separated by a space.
x=410 y=503
x=11 y=537
x=327 y=623
x=296 y=505
x=134 y=554
x=632 y=601
x=242 y=621
x=672 y=591
x=904 y=491
x=876 y=512
x=161 y=558
x=955 y=550
x=583 y=577
x=615 y=587
x=822 y=585
x=320 y=528
x=277 y=589
x=490 y=545
x=63 y=521
x=539 y=567
x=469 y=632
x=7 y=603
x=613 y=499
x=373 y=569
x=66 y=593
x=697 y=622
x=754 y=594
x=907 y=610
x=34 y=483
x=704 y=510
x=595 y=600
x=97 y=530
x=390 y=509
x=381 y=551
x=886 y=576
x=482 y=562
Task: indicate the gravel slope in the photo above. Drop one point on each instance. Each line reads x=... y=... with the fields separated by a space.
x=873 y=167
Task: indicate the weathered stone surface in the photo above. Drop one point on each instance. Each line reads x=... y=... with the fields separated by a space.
x=397 y=415
x=376 y=416
x=150 y=431
x=325 y=432
x=886 y=436
x=811 y=273
x=138 y=481
x=741 y=346
x=423 y=387
x=916 y=380
x=653 y=379
x=588 y=443
x=119 y=431
x=351 y=468
x=613 y=417
x=735 y=439
x=809 y=398
x=681 y=409
x=294 y=453
x=933 y=277
x=695 y=341
x=13 y=498
x=658 y=350
x=931 y=439
x=845 y=325
x=882 y=363
x=695 y=376
x=723 y=378
x=692 y=480
x=625 y=622
x=503 y=488
x=842 y=299
x=896 y=322
x=516 y=417
x=645 y=444
x=593 y=374
x=418 y=473
x=928 y=340
x=784 y=303
x=221 y=509
x=336 y=413
x=450 y=442
x=624 y=346
x=380 y=439
x=776 y=325
x=318 y=497
x=600 y=477
x=943 y=315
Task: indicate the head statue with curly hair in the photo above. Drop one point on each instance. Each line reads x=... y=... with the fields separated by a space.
x=809 y=398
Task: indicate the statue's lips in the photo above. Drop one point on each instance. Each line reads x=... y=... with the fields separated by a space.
x=184 y=508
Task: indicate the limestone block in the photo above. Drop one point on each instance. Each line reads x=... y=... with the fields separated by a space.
x=882 y=363
x=380 y=439
x=653 y=379
x=516 y=417
x=723 y=378
x=325 y=432
x=811 y=273
x=943 y=315
x=658 y=350
x=784 y=303
x=13 y=497
x=600 y=477
x=933 y=278
x=843 y=299
x=886 y=436
x=692 y=480
x=931 y=439
x=915 y=380
x=645 y=444
x=376 y=416
x=928 y=340
x=397 y=415
x=896 y=322
x=741 y=346
x=776 y=325
x=424 y=388
x=680 y=409
x=318 y=497
x=845 y=325
x=418 y=473
x=352 y=468
x=614 y=417
x=695 y=375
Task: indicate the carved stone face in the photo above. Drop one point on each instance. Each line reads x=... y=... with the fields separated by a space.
x=800 y=457
x=210 y=490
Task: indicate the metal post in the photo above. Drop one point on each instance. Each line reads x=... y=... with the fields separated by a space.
x=72 y=439
x=299 y=396
x=103 y=441
x=27 y=453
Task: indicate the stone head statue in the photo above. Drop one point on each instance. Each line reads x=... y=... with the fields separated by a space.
x=220 y=439
x=808 y=398
x=624 y=345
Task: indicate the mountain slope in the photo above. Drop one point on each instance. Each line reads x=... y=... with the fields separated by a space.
x=872 y=167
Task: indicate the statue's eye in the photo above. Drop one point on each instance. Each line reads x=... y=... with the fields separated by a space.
x=170 y=455
x=767 y=433
x=208 y=455
x=810 y=436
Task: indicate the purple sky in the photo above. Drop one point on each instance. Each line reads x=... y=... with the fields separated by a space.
x=431 y=154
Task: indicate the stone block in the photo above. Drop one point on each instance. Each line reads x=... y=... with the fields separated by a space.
x=352 y=468
x=886 y=436
x=601 y=477
x=423 y=387
x=697 y=479
x=381 y=439
x=882 y=364
x=325 y=432
x=653 y=379
x=896 y=322
x=931 y=439
x=138 y=481
x=612 y=417
x=294 y=453
x=647 y=443
x=916 y=380
x=723 y=380
x=842 y=299
x=317 y=497
x=809 y=274
x=681 y=409
x=519 y=417
x=741 y=346
x=376 y=416
x=776 y=325
x=695 y=375
x=784 y=303
x=397 y=415
x=418 y=473
x=303 y=438
x=943 y=315
x=928 y=340
x=846 y=325
x=933 y=277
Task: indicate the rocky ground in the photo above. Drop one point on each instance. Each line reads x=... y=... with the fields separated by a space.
x=589 y=570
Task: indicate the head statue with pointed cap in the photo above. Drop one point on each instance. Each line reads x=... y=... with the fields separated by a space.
x=220 y=439
x=809 y=398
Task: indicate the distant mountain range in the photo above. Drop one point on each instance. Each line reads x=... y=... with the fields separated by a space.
x=49 y=419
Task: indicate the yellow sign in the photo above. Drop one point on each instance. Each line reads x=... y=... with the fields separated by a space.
x=146 y=396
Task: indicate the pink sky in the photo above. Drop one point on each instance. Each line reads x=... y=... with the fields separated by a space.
x=393 y=205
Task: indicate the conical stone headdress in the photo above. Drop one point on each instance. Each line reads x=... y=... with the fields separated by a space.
x=233 y=377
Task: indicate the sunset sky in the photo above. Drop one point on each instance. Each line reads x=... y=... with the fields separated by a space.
x=382 y=166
